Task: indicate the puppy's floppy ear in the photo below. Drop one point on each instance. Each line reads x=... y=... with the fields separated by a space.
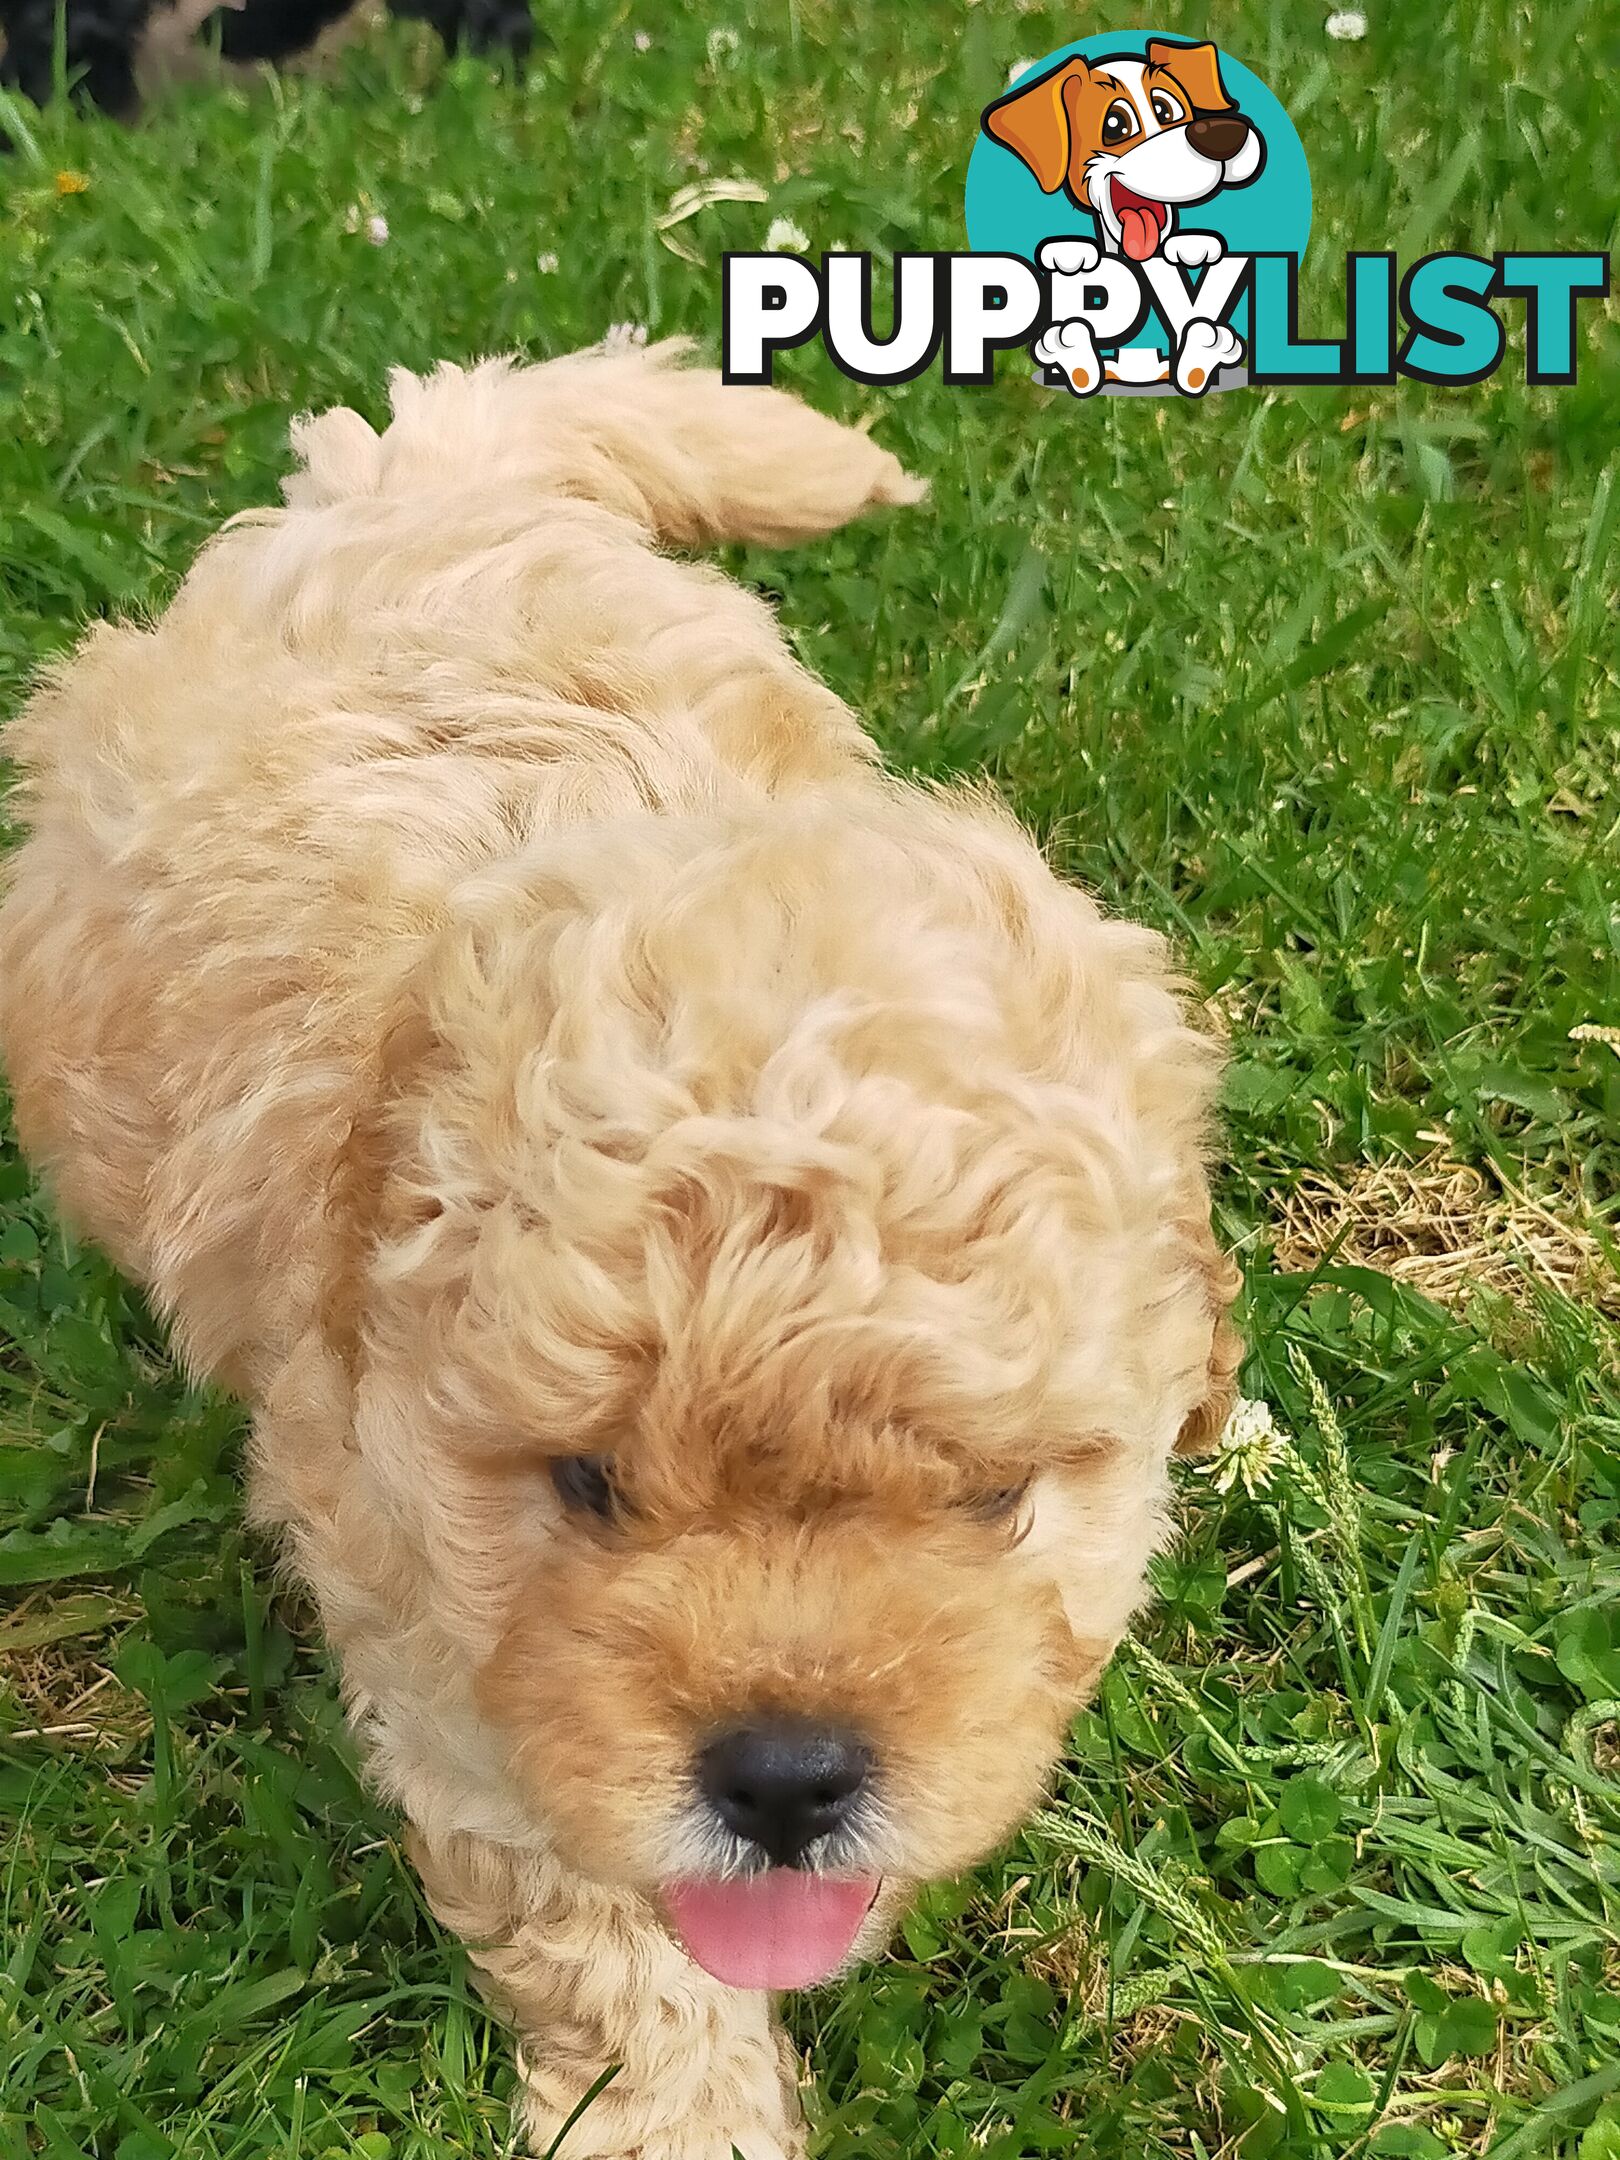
x=356 y=1209
x=1033 y=122
x=1223 y=1279
x=1198 y=70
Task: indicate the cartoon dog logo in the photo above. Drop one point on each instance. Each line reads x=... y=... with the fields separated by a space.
x=1135 y=140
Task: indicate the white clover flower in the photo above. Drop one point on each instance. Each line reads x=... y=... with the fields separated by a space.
x=1019 y=67
x=723 y=44
x=546 y=264
x=1348 y=25
x=377 y=231
x=624 y=337
x=783 y=237
x=642 y=41
x=1250 y=1452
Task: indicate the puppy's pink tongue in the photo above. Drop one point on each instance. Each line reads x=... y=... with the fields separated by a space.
x=1139 y=230
x=783 y=1929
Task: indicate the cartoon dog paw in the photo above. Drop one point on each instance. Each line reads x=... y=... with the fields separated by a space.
x=1072 y=350
x=1068 y=258
x=1205 y=347
x=1193 y=250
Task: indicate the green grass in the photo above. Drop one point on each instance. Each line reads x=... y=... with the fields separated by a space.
x=1324 y=683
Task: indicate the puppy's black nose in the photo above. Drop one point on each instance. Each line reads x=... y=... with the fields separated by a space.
x=1218 y=135
x=783 y=1785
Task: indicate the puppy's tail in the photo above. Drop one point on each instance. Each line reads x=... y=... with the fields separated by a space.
x=694 y=459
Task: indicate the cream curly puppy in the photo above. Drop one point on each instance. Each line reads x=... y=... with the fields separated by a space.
x=715 y=1239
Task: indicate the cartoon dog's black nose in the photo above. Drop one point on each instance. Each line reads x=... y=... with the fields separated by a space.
x=1218 y=135
x=784 y=1784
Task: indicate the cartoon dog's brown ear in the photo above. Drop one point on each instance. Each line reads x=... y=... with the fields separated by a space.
x=1223 y=1279
x=1033 y=122
x=1198 y=70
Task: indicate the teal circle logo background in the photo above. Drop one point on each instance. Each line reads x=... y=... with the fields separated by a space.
x=1008 y=215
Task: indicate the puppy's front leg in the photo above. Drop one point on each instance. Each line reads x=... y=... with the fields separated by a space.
x=1067 y=344
x=591 y=1980
x=1204 y=346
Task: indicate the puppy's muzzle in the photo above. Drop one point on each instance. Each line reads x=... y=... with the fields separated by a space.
x=783 y=1785
x=1219 y=136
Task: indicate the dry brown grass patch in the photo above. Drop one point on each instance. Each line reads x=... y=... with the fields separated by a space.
x=56 y=1688
x=1450 y=1230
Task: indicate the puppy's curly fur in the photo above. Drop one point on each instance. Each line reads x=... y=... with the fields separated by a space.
x=487 y=989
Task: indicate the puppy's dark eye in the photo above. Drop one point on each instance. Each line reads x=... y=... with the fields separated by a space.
x=584 y=1484
x=1118 y=122
x=998 y=1505
x=1165 y=109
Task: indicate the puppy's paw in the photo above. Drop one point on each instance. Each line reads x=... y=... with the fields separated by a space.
x=636 y=2124
x=1070 y=348
x=1193 y=250
x=1068 y=258
x=1204 y=348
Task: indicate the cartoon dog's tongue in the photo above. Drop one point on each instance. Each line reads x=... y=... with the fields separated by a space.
x=782 y=1929
x=1141 y=221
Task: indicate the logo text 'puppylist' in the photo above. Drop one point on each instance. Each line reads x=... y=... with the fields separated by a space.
x=1137 y=211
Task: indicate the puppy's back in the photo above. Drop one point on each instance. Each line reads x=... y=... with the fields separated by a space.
x=243 y=823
